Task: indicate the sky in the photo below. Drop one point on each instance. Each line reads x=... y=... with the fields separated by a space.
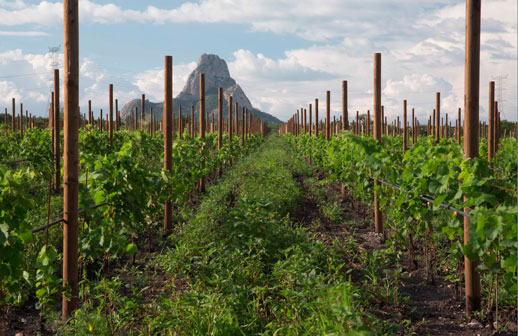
x=283 y=53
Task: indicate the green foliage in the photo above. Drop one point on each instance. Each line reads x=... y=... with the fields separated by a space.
x=15 y=202
x=128 y=176
x=440 y=172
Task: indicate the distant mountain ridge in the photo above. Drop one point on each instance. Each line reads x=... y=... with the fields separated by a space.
x=216 y=75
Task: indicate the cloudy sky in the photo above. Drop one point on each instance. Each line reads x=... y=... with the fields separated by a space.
x=284 y=53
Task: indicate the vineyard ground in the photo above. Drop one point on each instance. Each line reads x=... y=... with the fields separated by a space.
x=432 y=309
x=221 y=273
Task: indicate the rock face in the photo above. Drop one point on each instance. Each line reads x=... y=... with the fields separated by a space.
x=216 y=75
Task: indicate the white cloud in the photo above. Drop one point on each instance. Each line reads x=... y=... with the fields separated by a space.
x=23 y=33
x=422 y=44
x=19 y=13
x=251 y=67
x=28 y=78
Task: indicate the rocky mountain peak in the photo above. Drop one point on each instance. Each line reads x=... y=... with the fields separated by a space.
x=212 y=65
x=217 y=76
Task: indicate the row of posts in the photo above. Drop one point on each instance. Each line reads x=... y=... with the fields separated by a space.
x=472 y=129
x=136 y=120
x=302 y=122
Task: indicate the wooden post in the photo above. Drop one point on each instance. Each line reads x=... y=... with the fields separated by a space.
x=101 y=121
x=57 y=126
x=167 y=121
x=471 y=118
x=433 y=123
x=446 y=125
x=316 y=117
x=90 y=115
x=20 y=120
x=357 y=123
x=345 y=112
x=13 y=119
x=246 y=123
x=437 y=116
x=242 y=126
x=117 y=116
x=310 y=120
x=305 y=122
x=230 y=120
x=414 y=133
x=497 y=128
x=71 y=154
x=220 y=118
x=405 y=131
x=236 y=111
x=202 y=123
x=459 y=138
x=110 y=118
x=328 y=114
x=378 y=221
x=491 y=119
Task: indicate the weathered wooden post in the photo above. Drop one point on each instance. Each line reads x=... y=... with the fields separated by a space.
x=378 y=221
x=310 y=120
x=414 y=124
x=57 y=126
x=202 y=123
x=328 y=114
x=357 y=131
x=316 y=117
x=117 y=116
x=13 y=119
x=305 y=122
x=220 y=118
x=167 y=121
x=180 y=122
x=236 y=111
x=242 y=126
x=246 y=123
x=90 y=114
x=110 y=120
x=405 y=131
x=20 y=120
x=230 y=124
x=497 y=128
x=446 y=125
x=471 y=118
x=345 y=112
x=437 y=116
x=491 y=119
x=71 y=155
x=433 y=123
